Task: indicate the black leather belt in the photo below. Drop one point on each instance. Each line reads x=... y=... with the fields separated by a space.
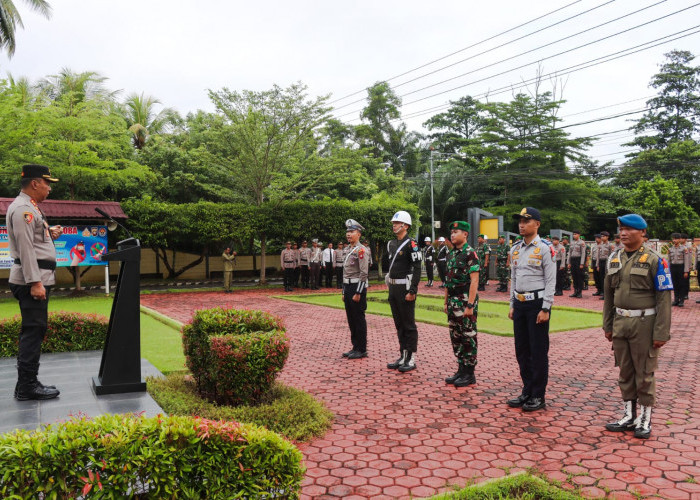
x=43 y=264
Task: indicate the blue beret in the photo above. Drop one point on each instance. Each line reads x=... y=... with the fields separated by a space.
x=632 y=220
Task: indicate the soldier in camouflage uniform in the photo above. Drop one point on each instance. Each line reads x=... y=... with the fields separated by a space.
x=483 y=251
x=502 y=263
x=461 y=286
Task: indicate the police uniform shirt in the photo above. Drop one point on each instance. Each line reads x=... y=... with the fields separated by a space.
x=288 y=258
x=560 y=254
x=407 y=261
x=356 y=266
x=604 y=251
x=30 y=240
x=595 y=248
x=429 y=253
x=304 y=255
x=339 y=257
x=442 y=253
x=315 y=255
x=532 y=267
x=630 y=283
x=679 y=255
x=577 y=249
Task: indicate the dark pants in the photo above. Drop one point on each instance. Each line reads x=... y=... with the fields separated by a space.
x=315 y=269
x=297 y=273
x=429 y=271
x=679 y=290
x=577 y=273
x=355 y=312
x=35 y=315
x=404 y=313
x=603 y=265
x=442 y=269
x=339 y=277
x=531 y=347
x=305 y=276
x=561 y=276
x=288 y=277
x=596 y=279
x=329 y=275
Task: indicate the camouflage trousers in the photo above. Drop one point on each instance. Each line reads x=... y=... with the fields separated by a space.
x=483 y=276
x=503 y=273
x=462 y=329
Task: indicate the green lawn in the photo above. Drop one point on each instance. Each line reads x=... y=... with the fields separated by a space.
x=493 y=316
x=161 y=343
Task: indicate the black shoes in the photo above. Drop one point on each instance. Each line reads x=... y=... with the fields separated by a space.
x=395 y=365
x=575 y=294
x=35 y=391
x=534 y=404
x=627 y=422
x=468 y=378
x=346 y=354
x=357 y=355
x=409 y=362
x=642 y=429
x=596 y=294
x=519 y=401
x=451 y=380
x=558 y=294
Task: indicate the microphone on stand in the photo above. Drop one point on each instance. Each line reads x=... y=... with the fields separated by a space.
x=104 y=214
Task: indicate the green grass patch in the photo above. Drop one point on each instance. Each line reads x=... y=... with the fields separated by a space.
x=518 y=487
x=288 y=411
x=161 y=343
x=493 y=315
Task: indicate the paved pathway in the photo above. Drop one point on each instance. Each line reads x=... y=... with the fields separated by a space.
x=410 y=435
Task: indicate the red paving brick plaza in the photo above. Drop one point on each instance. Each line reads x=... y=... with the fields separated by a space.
x=411 y=436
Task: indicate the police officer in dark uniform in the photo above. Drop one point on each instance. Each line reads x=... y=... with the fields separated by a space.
x=403 y=260
x=442 y=260
x=354 y=279
x=429 y=259
x=32 y=275
x=533 y=280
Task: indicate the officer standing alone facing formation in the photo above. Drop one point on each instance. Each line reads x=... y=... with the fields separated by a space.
x=429 y=258
x=229 y=264
x=304 y=254
x=604 y=250
x=355 y=275
x=637 y=320
x=288 y=261
x=32 y=275
x=442 y=260
x=462 y=303
x=402 y=277
x=315 y=259
x=679 y=257
x=483 y=251
x=532 y=278
x=560 y=258
x=576 y=261
x=502 y=263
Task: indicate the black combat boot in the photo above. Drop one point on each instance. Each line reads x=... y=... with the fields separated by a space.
x=28 y=387
x=575 y=294
x=467 y=379
x=460 y=372
x=643 y=428
x=627 y=422
x=409 y=362
x=395 y=365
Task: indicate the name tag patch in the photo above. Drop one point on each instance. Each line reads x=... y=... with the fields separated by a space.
x=534 y=262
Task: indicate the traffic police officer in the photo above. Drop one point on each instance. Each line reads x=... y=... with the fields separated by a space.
x=288 y=261
x=502 y=263
x=403 y=275
x=32 y=275
x=575 y=261
x=483 y=251
x=442 y=260
x=532 y=278
x=355 y=273
x=637 y=320
x=429 y=258
x=462 y=303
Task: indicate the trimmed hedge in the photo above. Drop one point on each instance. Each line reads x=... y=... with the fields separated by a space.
x=234 y=355
x=115 y=456
x=67 y=331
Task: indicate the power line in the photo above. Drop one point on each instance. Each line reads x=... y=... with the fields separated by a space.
x=463 y=49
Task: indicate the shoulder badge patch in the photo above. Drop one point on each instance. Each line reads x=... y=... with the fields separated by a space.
x=662 y=280
x=28 y=217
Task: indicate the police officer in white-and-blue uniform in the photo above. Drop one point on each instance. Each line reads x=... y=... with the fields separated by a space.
x=533 y=275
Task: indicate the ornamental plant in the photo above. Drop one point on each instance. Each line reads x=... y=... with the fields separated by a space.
x=128 y=456
x=234 y=355
x=67 y=331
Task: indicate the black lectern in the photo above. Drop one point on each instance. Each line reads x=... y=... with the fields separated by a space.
x=120 y=369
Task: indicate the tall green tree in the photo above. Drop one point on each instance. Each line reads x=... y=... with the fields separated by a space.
x=674 y=114
x=10 y=19
x=459 y=126
x=143 y=120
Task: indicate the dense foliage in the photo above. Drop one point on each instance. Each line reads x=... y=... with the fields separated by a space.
x=120 y=456
x=234 y=355
x=67 y=331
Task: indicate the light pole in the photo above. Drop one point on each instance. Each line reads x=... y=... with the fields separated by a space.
x=432 y=202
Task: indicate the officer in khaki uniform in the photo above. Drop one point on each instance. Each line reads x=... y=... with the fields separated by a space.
x=304 y=256
x=32 y=275
x=679 y=258
x=637 y=320
x=229 y=264
x=288 y=263
x=355 y=273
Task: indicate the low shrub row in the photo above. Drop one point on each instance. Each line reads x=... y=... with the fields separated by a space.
x=67 y=331
x=124 y=456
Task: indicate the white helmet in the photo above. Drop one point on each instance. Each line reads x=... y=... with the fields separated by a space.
x=402 y=216
x=427 y=238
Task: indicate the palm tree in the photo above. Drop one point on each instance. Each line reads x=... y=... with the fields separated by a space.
x=74 y=89
x=10 y=19
x=143 y=121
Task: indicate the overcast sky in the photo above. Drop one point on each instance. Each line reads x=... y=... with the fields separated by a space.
x=175 y=50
